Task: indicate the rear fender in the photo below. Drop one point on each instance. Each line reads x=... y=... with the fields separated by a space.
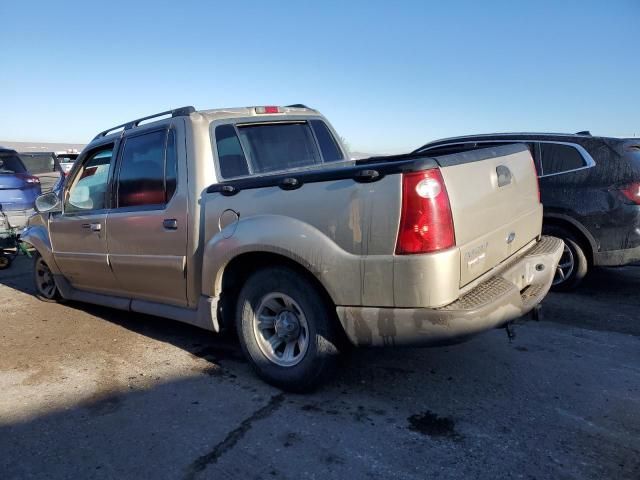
x=337 y=270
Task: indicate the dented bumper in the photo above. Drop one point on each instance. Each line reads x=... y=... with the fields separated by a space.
x=511 y=293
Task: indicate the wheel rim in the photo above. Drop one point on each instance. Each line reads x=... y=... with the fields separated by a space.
x=4 y=262
x=281 y=330
x=565 y=267
x=44 y=279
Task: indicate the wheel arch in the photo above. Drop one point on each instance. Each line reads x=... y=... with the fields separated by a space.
x=235 y=273
x=576 y=229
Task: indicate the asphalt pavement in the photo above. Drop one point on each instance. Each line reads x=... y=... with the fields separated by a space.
x=90 y=392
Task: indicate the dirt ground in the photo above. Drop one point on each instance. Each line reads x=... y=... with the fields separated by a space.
x=89 y=392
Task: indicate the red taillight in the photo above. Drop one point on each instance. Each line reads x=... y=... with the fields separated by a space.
x=426 y=223
x=632 y=192
x=28 y=178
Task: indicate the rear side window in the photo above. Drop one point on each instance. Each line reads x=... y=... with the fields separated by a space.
x=11 y=163
x=230 y=155
x=145 y=161
x=558 y=158
x=328 y=145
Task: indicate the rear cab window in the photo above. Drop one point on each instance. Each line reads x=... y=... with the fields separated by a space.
x=267 y=147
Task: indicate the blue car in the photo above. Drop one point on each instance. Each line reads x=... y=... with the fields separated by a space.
x=18 y=188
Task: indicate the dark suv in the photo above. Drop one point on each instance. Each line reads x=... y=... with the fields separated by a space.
x=590 y=188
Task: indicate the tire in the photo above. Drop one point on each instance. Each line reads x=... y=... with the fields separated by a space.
x=43 y=283
x=298 y=321
x=5 y=261
x=573 y=266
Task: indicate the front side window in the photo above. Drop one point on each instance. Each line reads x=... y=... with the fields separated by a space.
x=90 y=186
x=558 y=158
x=141 y=176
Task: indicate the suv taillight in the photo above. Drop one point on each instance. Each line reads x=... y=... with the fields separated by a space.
x=426 y=222
x=632 y=192
x=30 y=179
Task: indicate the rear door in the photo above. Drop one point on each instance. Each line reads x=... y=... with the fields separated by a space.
x=148 y=225
x=79 y=233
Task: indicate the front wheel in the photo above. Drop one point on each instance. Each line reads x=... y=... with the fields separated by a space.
x=287 y=329
x=45 y=286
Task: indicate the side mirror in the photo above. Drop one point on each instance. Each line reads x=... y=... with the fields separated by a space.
x=48 y=202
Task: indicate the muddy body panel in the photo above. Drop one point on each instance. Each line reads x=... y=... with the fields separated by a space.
x=513 y=292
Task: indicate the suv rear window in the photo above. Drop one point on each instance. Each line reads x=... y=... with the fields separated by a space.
x=10 y=163
x=270 y=147
x=558 y=158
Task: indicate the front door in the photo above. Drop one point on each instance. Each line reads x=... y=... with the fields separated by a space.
x=147 y=240
x=79 y=233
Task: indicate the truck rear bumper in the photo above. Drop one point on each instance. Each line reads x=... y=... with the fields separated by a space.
x=511 y=293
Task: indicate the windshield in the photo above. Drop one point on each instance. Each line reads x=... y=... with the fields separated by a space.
x=10 y=163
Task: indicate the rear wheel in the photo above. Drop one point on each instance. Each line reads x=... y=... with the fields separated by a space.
x=5 y=261
x=573 y=265
x=45 y=286
x=287 y=329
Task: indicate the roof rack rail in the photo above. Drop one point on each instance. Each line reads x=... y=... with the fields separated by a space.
x=584 y=132
x=298 y=105
x=176 y=112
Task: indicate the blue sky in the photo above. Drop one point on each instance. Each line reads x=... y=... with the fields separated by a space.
x=388 y=75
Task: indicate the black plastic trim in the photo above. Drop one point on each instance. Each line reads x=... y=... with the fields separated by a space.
x=361 y=171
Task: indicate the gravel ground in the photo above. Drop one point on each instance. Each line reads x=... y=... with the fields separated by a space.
x=89 y=392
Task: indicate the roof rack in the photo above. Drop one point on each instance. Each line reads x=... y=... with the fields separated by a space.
x=584 y=132
x=298 y=105
x=176 y=112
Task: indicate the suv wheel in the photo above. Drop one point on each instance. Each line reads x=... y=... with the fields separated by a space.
x=573 y=266
x=287 y=330
x=45 y=286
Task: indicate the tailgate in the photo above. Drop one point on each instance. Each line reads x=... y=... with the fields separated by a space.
x=495 y=205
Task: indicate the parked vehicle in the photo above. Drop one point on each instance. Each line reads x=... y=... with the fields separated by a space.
x=45 y=166
x=255 y=219
x=18 y=188
x=67 y=160
x=10 y=244
x=590 y=189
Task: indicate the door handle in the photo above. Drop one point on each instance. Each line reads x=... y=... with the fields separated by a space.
x=170 y=224
x=95 y=227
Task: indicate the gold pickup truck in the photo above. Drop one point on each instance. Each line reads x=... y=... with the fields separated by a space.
x=257 y=219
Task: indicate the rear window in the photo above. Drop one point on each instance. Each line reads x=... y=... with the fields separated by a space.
x=38 y=164
x=558 y=158
x=10 y=163
x=271 y=147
